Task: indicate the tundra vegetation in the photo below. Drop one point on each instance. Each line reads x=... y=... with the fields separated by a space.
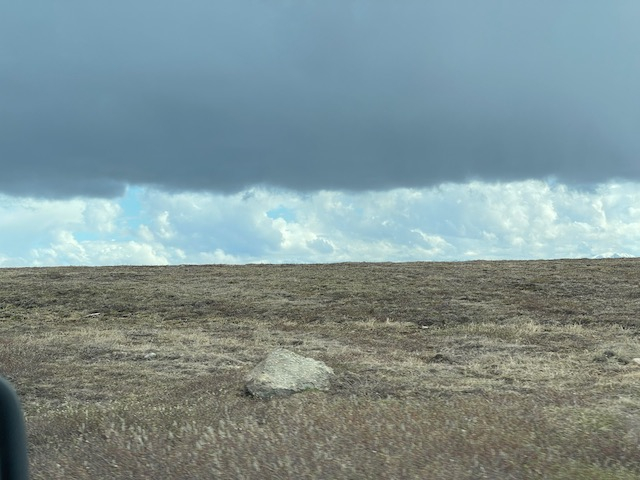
x=506 y=369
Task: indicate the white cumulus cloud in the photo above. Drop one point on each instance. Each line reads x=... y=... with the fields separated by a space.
x=476 y=220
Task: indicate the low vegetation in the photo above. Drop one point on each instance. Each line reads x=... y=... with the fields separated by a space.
x=443 y=370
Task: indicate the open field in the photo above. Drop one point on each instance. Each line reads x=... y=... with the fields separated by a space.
x=443 y=370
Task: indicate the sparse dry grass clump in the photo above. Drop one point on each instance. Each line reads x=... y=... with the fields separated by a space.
x=443 y=370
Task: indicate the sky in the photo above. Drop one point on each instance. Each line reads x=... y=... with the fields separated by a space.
x=242 y=131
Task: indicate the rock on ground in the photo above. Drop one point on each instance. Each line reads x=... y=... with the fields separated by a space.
x=284 y=373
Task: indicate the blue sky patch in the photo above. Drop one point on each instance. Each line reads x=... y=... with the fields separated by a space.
x=287 y=214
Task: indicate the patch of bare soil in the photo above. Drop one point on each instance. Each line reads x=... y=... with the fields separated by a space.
x=443 y=370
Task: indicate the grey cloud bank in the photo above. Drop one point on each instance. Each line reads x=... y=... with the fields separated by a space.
x=356 y=95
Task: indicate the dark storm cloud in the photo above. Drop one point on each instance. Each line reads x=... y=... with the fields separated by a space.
x=309 y=95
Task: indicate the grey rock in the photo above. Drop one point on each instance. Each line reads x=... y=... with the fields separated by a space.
x=283 y=373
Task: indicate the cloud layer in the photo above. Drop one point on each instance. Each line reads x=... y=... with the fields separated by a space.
x=323 y=95
x=521 y=220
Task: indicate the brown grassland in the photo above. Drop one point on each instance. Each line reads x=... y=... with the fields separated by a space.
x=500 y=370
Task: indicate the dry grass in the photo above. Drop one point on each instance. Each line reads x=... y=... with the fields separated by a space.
x=443 y=370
